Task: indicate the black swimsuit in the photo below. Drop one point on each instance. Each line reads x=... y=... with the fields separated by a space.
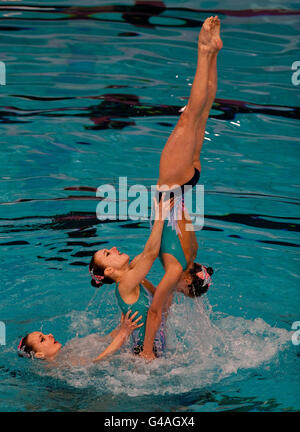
x=192 y=182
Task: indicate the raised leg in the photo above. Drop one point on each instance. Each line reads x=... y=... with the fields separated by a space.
x=211 y=94
x=178 y=155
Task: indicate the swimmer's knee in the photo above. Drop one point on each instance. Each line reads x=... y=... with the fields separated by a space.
x=188 y=116
x=194 y=109
x=211 y=85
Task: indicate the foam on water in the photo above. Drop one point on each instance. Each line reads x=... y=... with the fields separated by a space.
x=203 y=348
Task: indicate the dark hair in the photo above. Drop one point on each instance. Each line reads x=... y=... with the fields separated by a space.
x=98 y=270
x=198 y=286
x=25 y=349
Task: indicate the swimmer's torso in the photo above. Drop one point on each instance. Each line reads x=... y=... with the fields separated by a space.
x=141 y=305
x=183 y=246
x=178 y=241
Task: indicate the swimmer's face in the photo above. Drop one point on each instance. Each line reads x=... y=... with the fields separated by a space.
x=111 y=258
x=183 y=284
x=44 y=346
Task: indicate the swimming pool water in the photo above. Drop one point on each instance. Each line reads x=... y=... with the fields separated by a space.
x=92 y=94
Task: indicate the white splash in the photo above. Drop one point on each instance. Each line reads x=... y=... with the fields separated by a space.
x=202 y=348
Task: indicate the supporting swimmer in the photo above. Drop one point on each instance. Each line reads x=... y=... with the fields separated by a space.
x=110 y=266
x=37 y=345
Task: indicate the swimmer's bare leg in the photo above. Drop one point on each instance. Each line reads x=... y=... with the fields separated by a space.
x=176 y=163
x=211 y=94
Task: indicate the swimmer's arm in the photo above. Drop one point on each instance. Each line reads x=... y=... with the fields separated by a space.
x=152 y=247
x=162 y=293
x=116 y=344
x=114 y=333
x=149 y=286
x=129 y=324
x=142 y=263
x=162 y=209
x=120 y=334
x=194 y=246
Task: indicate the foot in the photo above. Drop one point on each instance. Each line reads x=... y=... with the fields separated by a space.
x=205 y=35
x=216 y=41
x=209 y=37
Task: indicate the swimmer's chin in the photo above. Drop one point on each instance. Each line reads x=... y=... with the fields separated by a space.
x=51 y=357
x=58 y=346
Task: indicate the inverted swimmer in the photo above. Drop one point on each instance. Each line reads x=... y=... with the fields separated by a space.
x=180 y=165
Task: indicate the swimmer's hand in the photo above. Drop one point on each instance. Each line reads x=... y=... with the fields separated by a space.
x=129 y=324
x=147 y=356
x=162 y=208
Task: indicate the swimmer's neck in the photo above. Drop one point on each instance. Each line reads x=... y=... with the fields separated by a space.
x=53 y=357
x=120 y=275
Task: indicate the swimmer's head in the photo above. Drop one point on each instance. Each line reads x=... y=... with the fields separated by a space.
x=196 y=281
x=106 y=265
x=38 y=345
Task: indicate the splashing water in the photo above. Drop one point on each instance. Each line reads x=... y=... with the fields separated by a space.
x=203 y=348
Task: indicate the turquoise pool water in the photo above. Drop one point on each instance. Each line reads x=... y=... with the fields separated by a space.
x=92 y=93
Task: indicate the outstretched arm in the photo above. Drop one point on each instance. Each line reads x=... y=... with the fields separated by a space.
x=120 y=334
x=114 y=333
x=142 y=263
x=127 y=327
